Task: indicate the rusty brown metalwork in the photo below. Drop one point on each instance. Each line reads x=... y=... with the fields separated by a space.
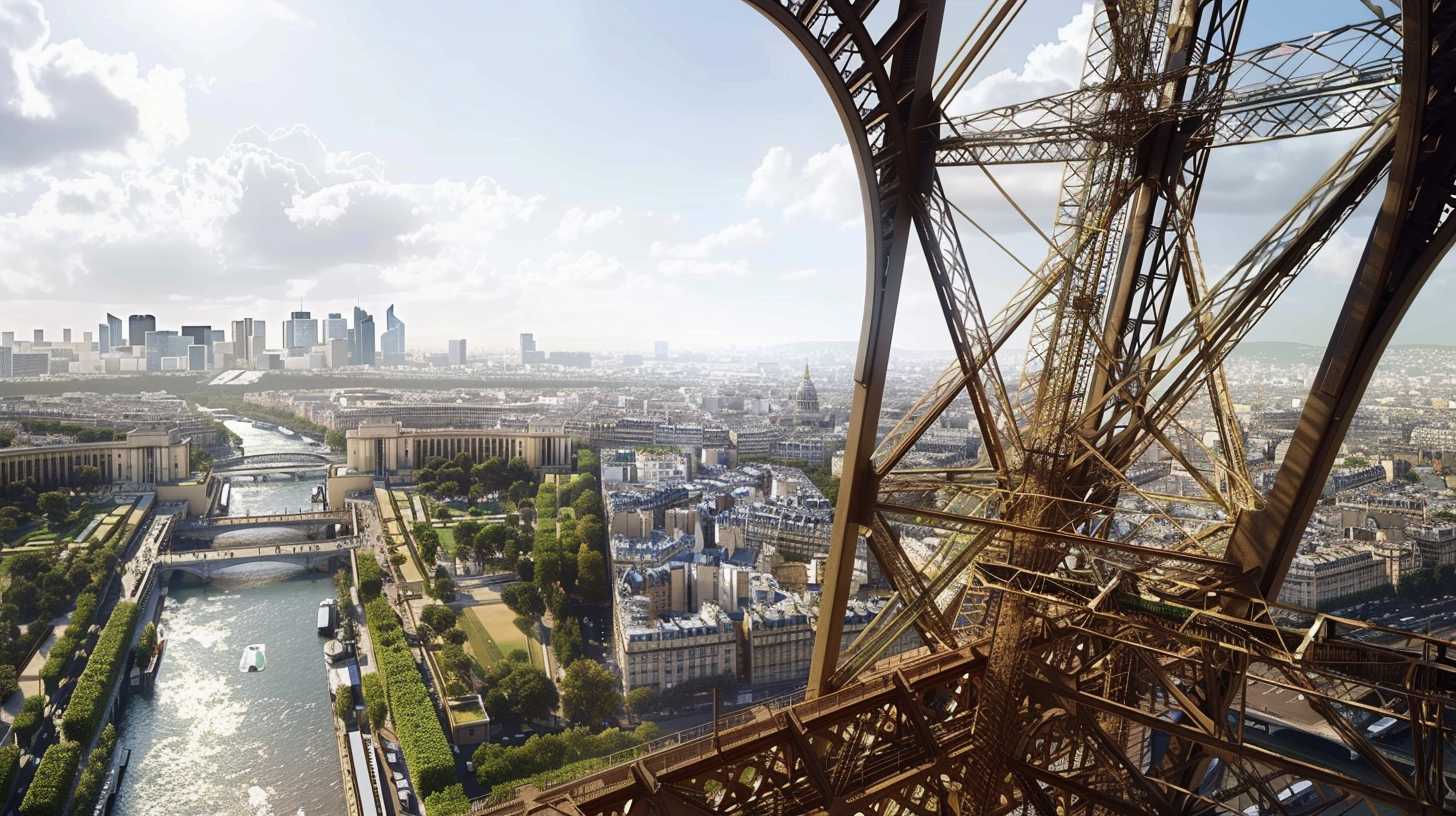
x=1092 y=645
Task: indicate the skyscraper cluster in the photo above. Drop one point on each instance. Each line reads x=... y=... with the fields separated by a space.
x=138 y=345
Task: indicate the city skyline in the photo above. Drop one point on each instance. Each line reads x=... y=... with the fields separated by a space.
x=199 y=188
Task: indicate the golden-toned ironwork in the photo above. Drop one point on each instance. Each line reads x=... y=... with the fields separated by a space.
x=1093 y=644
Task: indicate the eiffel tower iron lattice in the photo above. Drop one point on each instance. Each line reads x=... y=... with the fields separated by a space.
x=1092 y=645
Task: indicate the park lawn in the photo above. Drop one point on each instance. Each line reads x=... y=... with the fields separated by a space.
x=491 y=633
x=447 y=540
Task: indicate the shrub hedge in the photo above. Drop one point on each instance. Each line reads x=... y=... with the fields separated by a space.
x=374 y=701
x=9 y=761
x=28 y=720
x=68 y=644
x=85 y=612
x=370 y=582
x=426 y=751
x=61 y=653
x=88 y=787
x=83 y=713
x=449 y=801
x=568 y=752
x=52 y=782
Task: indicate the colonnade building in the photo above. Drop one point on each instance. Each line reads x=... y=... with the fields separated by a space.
x=148 y=457
x=389 y=449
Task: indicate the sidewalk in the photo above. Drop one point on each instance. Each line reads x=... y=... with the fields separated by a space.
x=30 y=682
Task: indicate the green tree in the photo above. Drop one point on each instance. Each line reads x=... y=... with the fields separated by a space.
x=589 y=503
x=518 y=471
x=344 y=705
x=455 y=662
x=8 y=683
x=589 y=693
x=590 y=530
x=146 y=644
x=524 y=599
x=492 y=541
x=335 y=440
x=525 y=624
x=88 y=476
x=587 y=461
x=55 y=507
x=438 y=616
x=591 y=575
x=491 y=474
x=518 y=492
x=529 y=692
x=450 y=801
x=466 y=531
x=639 y=701
x=429 y=542
x=443 y=588
x=566 y=641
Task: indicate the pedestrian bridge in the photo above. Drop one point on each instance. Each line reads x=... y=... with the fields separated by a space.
x=314 y=523
x=204 y=563
x=271 y=460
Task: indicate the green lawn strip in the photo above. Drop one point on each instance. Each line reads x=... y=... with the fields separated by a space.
x=448 y=541
x=481 y=643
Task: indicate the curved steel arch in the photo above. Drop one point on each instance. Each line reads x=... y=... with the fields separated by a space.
x=1411 y=235
x=880 y=87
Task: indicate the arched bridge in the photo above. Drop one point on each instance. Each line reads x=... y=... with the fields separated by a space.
x=204 y=563
x=314 y=522
x=284 y=459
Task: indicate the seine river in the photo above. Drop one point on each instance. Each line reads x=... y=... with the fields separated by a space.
x=213 y=740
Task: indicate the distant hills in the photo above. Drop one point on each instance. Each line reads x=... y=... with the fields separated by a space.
x=1277 y=351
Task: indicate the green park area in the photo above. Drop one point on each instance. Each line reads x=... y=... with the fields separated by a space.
x=491 y=634
x=447 y=539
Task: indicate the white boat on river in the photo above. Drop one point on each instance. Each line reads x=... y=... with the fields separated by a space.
x=254 y=659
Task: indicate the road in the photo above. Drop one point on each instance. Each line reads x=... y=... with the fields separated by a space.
x=1438 y=615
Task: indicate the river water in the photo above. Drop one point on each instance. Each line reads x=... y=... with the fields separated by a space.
x=213 y=740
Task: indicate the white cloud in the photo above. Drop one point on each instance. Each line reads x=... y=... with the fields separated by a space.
x=703 y=258
x=276 y=10
x=702 y=269
x=825 y=187
x=801 y=274
x=588 y=268
x=577 y=222
x=64 y=100
x=1051 y=67
x=276 y=208
x=1337 y=259
x=731 y=237
x=298 y=288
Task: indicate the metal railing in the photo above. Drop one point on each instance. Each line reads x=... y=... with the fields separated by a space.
x=682 y=745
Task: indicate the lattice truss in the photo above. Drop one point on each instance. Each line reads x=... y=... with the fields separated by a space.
x=1093 y=645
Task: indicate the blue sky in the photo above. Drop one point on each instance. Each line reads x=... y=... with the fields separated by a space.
x=603 y=174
